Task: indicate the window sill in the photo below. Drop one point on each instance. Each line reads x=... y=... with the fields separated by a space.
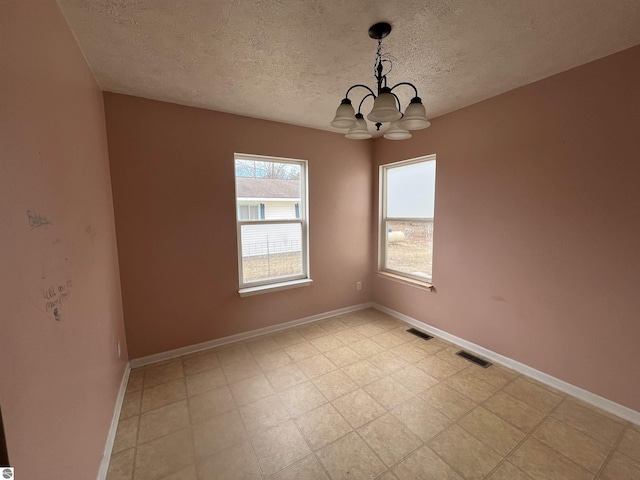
x=274 y=287
x=406 y=280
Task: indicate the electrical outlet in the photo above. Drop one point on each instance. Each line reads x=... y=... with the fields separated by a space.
x=118 y=347
x=358 y=285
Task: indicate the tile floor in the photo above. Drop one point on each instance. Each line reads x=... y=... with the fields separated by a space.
x=356 y=397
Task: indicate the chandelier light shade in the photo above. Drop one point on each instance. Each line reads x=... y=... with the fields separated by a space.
x=386 y=104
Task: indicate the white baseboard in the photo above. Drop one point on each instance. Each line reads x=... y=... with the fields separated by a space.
x=178 y=352
x=104 y=465
x=584 y=395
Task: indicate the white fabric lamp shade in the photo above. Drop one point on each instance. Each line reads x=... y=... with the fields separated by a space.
x=395 y=132
x=415 y=116
x=345 y=115
x=385 y=109
x=359 y=131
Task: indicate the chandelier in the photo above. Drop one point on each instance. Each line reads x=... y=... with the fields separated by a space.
x=386 y=104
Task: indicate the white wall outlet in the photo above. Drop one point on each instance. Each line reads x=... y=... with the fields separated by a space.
x=118 y=348
x=358 y=285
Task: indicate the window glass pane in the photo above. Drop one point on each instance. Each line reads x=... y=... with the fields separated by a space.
x=409 y=247
x=276 y=186
x=270 y=251
x=411 y=190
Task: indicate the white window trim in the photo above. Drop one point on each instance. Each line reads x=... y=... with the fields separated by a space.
x=284 y=282
x=395 y=275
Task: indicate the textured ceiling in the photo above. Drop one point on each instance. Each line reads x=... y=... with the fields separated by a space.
x=292 y=60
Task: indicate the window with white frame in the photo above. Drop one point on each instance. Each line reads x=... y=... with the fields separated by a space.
x=272 y=222
x=407 y=198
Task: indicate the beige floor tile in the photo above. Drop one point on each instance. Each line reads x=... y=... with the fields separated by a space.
x=218 y=433
x=261 y=345
x=630 y=444
x=186 y=473
x=582 y=449
x=234 y=463
x=415 y=379
x=387 y=476
x=388 y=362
x=233 y=353
x=210 y=404
x=464 y=452
x=533 y=395
x=273 y=360
x=301 y=398
x=241 y=370
x=432 y=346
x=352 y=319
x=437 y=368
x=507 y=471
x=136 y=379
x=543 y=463
x=350 y=458
x=424 y=464
x=162 y=421
x=322 y=426
x=300 y=351
x=358 y=408
x=334 y=384
x=310 y=331
x=306 y=469
x=163 y=394
x=126 y=434
x=388 y=340
x=492 y=430
x=286 y=377
x=386 y=322
x=279 y=447
x=121 y=465
x=251 y=389
x=200 y=362
x=620 y=467
x=401 y=332
x=367 y=347
x=332 y=325
x=449 y=355
x=523 y=416
x=589 y=421
x=326 y=343
x=164 y=456
x=264 y=414
x=131 y=404
x=316 y=366
x=421 y=418
x=409 y=352
x=349 y=336
x=286 y=338
x=388 y=392
x=470 y=386
x=363 y=372
x=494 y=375
x=164 y=372
x=389 y=438
x=369 y=329
x=205 y=381
x=343 y=356
x=449 y=401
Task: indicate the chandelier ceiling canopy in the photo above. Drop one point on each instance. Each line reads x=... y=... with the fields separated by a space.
x=386 y=104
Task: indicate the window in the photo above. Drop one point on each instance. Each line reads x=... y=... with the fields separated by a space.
x=407 y=197
x=272 y=225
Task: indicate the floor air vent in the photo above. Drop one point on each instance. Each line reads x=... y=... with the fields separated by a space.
x=474 y=359
x=420 y=334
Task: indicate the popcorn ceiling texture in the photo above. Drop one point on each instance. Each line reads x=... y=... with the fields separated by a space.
x=292 y=61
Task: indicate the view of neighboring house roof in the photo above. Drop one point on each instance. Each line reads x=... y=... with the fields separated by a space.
x=251 y=187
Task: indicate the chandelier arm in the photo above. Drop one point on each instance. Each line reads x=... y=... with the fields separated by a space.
x=398 y=101
x=364 y=98
x=359 y=85
x=406 y=83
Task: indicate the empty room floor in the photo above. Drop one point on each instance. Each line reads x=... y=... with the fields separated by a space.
x=357 y=397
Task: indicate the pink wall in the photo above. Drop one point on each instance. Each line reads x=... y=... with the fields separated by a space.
x=58 y=378
x=537 y=233
x=172 y=171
